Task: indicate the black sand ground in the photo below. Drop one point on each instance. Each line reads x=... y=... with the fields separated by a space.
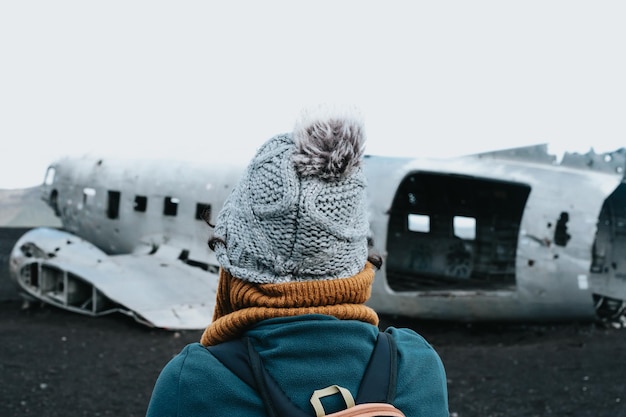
x=55 y=363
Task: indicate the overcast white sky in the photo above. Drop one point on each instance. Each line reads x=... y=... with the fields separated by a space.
x=191 y=79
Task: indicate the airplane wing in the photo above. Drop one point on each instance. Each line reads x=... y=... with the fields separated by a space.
x=156 y=289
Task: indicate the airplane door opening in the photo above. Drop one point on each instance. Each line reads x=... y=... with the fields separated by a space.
x=453 y=232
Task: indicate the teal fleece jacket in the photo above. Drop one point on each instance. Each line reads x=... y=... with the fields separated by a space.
x=303 y=354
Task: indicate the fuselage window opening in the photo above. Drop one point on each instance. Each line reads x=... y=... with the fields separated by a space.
x=141 y=203
x=50 y=174
x=170 y=206
x=113 y=204
x=203 y=212
x=88 y=194
x=419 y=223
x=54 y=202
x=464 y=227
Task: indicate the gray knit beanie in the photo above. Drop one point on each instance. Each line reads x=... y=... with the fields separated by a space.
x=299 y=211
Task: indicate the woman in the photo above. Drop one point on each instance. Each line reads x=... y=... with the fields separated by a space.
x=292 y=242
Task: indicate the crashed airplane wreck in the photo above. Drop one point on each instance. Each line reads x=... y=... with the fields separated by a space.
x=511 y=235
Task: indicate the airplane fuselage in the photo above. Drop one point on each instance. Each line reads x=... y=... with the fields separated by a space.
x=472 y=238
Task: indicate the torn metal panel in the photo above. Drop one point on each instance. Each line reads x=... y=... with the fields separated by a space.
x=610 y=162
x=608 y=266
x=68 y=272
x=613 y=162
x=535 y=153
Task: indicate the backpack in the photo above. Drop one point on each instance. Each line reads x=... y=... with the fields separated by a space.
x=376 y=392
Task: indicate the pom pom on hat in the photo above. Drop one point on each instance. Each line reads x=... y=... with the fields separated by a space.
x=329 y=141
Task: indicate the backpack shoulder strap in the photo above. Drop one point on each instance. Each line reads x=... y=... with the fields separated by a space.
x=244 y=361
x=378 y=383
x=234 y=356
x=381 y=375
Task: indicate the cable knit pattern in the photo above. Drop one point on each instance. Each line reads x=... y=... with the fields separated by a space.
x=299 y=212
x=241 y=304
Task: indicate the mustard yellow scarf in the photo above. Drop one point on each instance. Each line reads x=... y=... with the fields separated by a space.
x=240 y=304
